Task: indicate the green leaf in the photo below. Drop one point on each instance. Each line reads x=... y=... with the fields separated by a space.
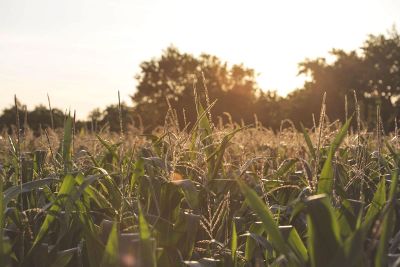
x=257 y=229
x=112 y=148
x=148 y=255
x=325 y=183
x=352 y=250
x=184 y=233
x=111 y=253
x=201 y=113
x=219 y=152
x=347 y=218
x=393 y=186
x=143 y=226
x=65 y=190
x=13 y=191
x=295 y=243
x=204 y=122
x=323 y=230
x=109 y=185
x=376 y=205
x=204 y=131
x=67 y=141
x=262 y=211
x=92 y=192
x=308 y=142
x=284 y=168
x=138 y=171
x=94 y=247
x=189 y=191
x=64 y=257
x=387 y=225
x=234 y=243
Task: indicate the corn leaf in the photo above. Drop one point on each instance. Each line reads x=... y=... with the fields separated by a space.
x=323 y=231
x=262 y=211
x=325 y=183
x=111 y=253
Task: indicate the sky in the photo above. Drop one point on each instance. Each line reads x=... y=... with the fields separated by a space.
x=82 y=52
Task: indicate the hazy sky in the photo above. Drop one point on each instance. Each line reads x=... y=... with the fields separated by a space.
x=82 y=52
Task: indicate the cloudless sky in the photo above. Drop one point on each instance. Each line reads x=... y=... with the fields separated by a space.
x=81 y=52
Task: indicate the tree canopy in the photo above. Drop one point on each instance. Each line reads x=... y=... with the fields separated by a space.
x=173 y=77
x=36 y=119
x=372 y=72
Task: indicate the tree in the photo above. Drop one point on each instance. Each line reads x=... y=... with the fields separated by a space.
x=110 y=117
x=38 y=118
x=382 y=83
x=270 y=109
x=174 y=75
x=336 y=79
x=373 y=73
x=115 y=117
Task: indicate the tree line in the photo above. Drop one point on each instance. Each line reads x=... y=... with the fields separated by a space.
x=367 y=77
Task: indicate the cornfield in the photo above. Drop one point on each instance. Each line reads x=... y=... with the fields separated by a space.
x=203 y=195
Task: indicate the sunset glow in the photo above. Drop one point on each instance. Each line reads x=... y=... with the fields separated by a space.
x=83 y=52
